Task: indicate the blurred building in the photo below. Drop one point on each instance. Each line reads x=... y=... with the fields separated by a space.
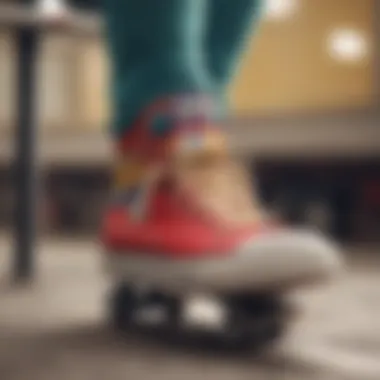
x=306 y=108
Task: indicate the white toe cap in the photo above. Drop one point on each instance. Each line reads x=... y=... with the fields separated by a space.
x=290 y=255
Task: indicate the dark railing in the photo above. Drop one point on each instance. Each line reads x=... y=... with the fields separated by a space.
x=27 y=24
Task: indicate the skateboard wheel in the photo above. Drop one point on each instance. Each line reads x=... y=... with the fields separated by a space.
x=254 y=323
x=122 y=307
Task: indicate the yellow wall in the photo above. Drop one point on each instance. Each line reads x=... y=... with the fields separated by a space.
x=288 y=67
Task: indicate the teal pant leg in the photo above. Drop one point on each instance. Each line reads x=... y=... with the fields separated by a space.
x=230 y=24
x=156 y=50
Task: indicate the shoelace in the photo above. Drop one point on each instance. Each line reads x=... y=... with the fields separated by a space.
x=223 y=189
x=217 y=187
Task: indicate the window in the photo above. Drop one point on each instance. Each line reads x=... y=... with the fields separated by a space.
x=54 y=78
x=7 y=80
x=92 y=85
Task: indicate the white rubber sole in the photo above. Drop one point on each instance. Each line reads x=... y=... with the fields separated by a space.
x=275 y=263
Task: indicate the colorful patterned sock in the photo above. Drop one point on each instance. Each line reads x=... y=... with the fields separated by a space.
x=156 y=50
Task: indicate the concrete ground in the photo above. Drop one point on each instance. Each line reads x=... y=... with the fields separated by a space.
x=55 y=329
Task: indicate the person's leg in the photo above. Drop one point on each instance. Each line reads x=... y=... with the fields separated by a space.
x=230 y=25
x=178 y=194
x=155 y=51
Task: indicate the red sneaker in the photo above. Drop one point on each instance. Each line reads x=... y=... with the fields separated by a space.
x=184 y=215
